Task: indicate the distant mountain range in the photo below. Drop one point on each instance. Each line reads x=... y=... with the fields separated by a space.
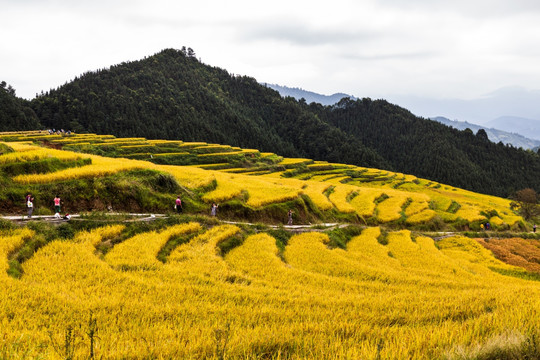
x=505 y=129
x=494 y=135
x=520 y=125
x=309 y=96
x=491 y=110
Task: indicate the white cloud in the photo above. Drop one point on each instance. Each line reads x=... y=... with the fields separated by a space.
x=372 y=48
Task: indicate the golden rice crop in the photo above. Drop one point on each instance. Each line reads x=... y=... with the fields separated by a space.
x=260 y=191
x=509 y=219
x=213 y=147
x=141 y=146
x=21 y=146
x=140 y=251
x=471 y=255
x=226 y=189
x=294 y=161
x=390 y=209
x=38 y=154
x=421 y=217
x=309 y=252
x=100 y=166
x=165 y=142
x=192 y=144
x=323 y=177
x=171 y=154
x=21 y=133
x=470 y=212
x=204 y=245
x=315 y=191
x=189 y=176
x=339 y=198
x=245 y=151
x=125 y=140
x=404 y=300
x=495 y=220
x=205 y=166
x=94 y=237
x=267 y=191
x=336 y=180
x=235 y=170
x=416 y=207
x=364 y=202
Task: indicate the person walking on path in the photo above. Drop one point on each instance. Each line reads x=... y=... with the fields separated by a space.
x=30 y=205
x=213 y=210
x=178 y=205
x=289 y=215
x=534 y=228
x=57 y=207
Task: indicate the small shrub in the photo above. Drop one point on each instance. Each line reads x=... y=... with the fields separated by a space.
x=383 y=237
x=454 y=207
x=339 y=237
x=228 y=244
x=65 y=231
x=6 y=225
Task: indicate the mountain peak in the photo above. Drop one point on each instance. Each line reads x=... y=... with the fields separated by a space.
x=309 y=96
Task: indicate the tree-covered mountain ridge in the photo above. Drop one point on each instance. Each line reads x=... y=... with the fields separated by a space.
x=172 y=95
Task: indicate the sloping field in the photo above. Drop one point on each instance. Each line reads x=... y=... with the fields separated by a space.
x=373 y=196
x=193 y=288
x=408 y=299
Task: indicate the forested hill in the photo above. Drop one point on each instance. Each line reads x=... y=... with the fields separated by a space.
x=15 y=113
x=172 y=95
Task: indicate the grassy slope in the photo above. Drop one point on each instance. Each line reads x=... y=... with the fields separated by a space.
x=248 y=184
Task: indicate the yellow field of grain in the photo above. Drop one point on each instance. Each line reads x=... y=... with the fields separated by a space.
x=30 y=153
x=410 y=299
x=416 y=202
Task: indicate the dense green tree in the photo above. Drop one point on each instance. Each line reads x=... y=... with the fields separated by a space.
x=526 y=202
x=482 y=134
x=15 y=113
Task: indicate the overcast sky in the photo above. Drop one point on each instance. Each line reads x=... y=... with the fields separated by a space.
x=460 y=49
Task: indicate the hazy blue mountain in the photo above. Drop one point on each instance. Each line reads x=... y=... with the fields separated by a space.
x=527 y=127
x=309 y=96
x=513 y=101
x=494 y=135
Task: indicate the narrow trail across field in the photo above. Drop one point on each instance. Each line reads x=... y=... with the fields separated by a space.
x=140 y=217
x=133 y=217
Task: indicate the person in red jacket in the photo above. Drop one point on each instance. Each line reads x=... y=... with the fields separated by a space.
x=178 y=205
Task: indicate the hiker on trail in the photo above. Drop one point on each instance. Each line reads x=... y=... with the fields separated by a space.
x=178 y=205
x=213 y=210
x=57 y=207
x=534 y=228
x=487 y=226
x=30 y=205
x=289 y=215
